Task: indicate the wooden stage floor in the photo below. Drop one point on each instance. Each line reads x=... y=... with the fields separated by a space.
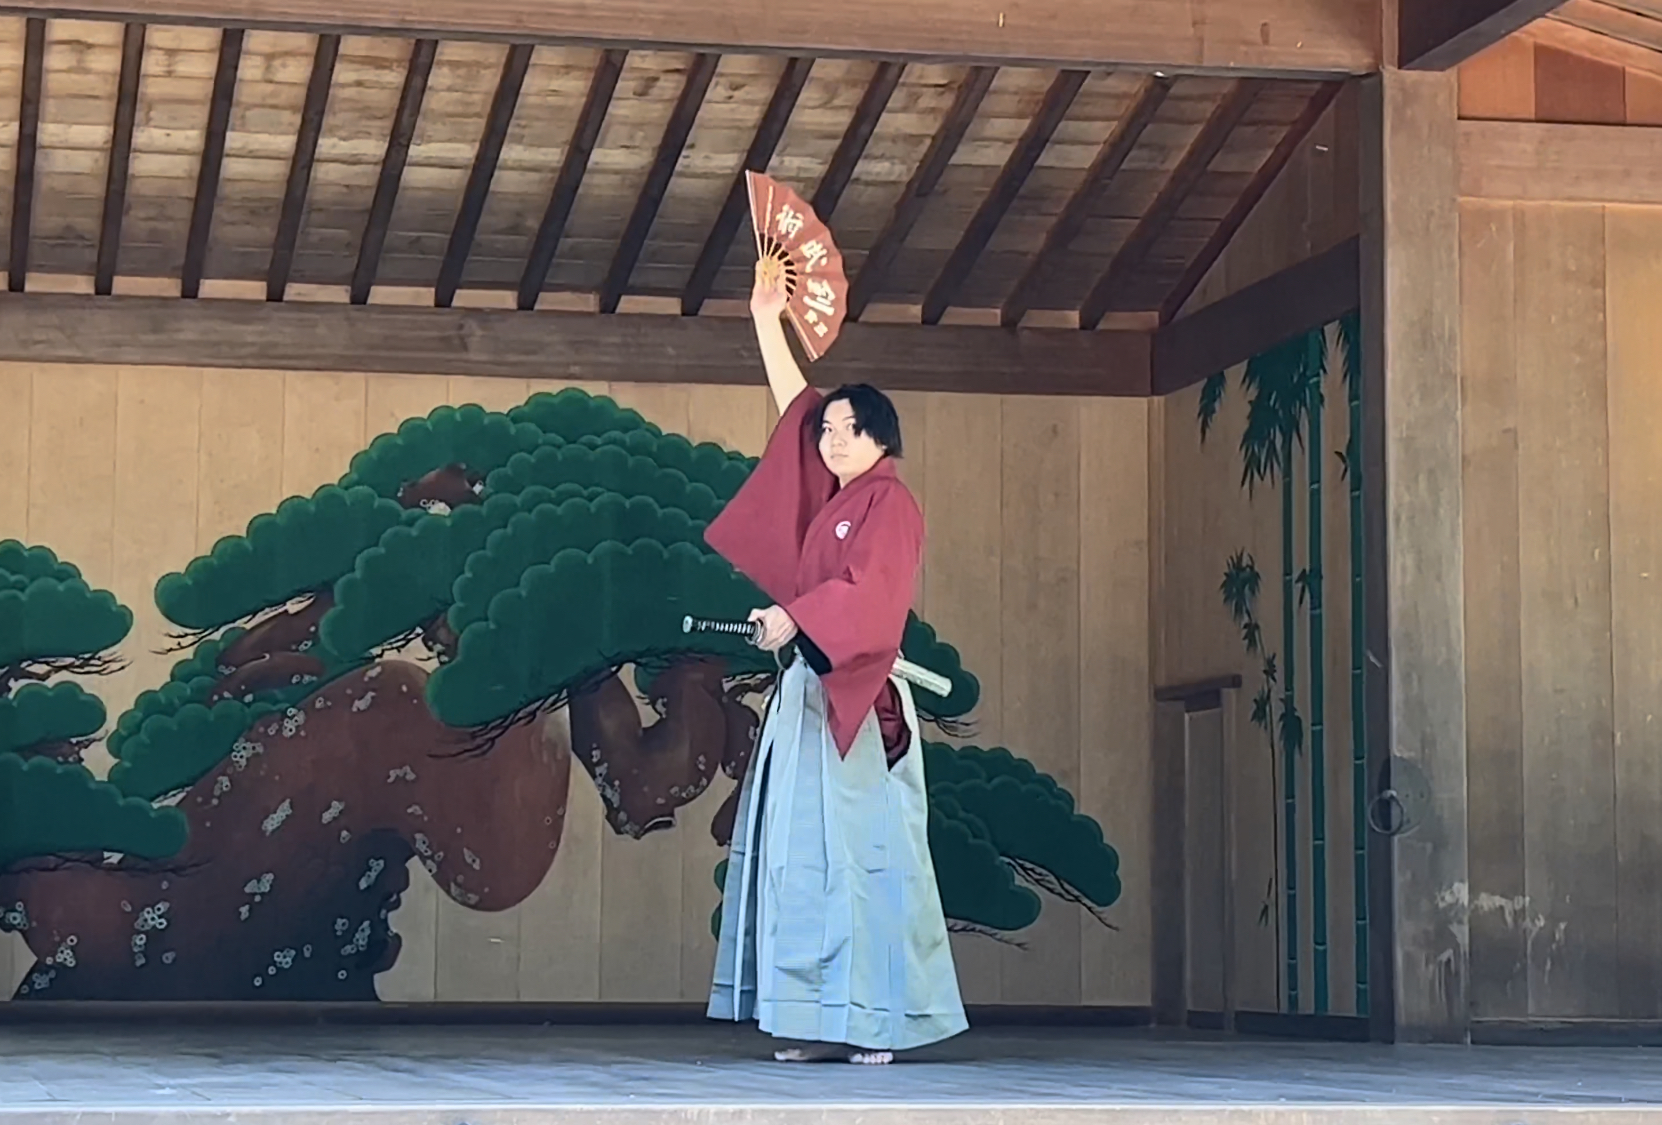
x=126 y=1075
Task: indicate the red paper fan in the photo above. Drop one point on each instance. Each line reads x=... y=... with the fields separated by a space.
x=790 y=238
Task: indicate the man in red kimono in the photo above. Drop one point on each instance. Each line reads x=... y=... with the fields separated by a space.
x=832 y=933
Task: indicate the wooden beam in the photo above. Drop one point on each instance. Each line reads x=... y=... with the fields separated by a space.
x=1184 y=178
x=1274 y=37
x=121 y=156
x=769 y=131
x=651 y=197
x=1613 y=21
x=884 y=78
x=213 y=158
x=1442 y=34
x=1248 y=199
x=1412 y=469
x=915 y=195
x=28 y=135
x=1110 y=158
x=485 y=158
x=1017 y=167
x=1532 y=162
x=1603 y=48
x=1246 y=323
x=414 y=93
x=585 y=134
x=310 y=336
x=300 y=166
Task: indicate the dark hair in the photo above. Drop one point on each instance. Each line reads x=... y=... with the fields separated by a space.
x=874 y=415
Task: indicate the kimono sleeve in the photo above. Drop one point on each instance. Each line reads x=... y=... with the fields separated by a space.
x=760 y=531
x=858 y=617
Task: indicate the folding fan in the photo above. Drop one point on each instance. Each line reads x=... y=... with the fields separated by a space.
x=792 y=242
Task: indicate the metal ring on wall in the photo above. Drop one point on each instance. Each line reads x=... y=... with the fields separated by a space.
x=1380 y=810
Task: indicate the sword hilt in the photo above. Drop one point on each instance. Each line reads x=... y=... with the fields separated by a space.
x=746 y=629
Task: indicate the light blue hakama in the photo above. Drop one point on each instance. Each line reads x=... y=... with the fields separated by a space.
x=831 y=924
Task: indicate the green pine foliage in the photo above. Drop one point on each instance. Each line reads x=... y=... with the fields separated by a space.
x=303 y=548
x=405 y=580
x=609 y=467
x=53 y=623
x=37 y=714
x=50 y=808
x=470 y=436
x=583 y=614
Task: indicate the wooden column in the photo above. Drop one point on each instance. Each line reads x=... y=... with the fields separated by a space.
x=1412 y=496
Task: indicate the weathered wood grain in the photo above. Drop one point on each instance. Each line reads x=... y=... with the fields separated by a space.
x=628 y=349
x=1417 y=690
x=1501 y=914
x=1569 y=777
x=1526 y=160
x=1289 y=36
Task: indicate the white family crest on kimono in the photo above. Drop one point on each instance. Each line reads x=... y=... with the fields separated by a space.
x=831 y=926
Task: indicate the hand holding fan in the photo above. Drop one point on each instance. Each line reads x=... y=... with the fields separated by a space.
x=792 y=244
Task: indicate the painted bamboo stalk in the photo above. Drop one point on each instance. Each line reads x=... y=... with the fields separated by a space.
x=1350 y=332
x=1289 y=705
x=1315 y=367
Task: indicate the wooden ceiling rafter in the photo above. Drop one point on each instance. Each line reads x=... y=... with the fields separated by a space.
x=410 y=99
x=1248 y=199
x=1304 y=39
x=1577 y=40
x=999 y=198
x=1442 y=34
x=505 y=343
x=1197 y=158
x=28 y=141
x=574 y=165
x=319 y=83
x=213 y=161
x=1637 y=23
x=515 y=65
x=770 y=130
x=909 y=208
x=1110 y=158
x=694 y=87
x=885 y=77
x=121 y=158
x=668 y=227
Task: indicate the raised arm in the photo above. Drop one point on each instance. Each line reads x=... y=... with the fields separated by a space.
x=767 y=305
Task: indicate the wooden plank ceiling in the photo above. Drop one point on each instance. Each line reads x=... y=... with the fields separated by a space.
x=273 y=165
x=1624 y=32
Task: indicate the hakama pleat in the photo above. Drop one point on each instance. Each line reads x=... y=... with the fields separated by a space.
x=831 y=924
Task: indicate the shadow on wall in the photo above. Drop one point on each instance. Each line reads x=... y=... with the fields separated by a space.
x=377 y=672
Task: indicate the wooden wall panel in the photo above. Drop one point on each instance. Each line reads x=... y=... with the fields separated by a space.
x=964 y=450
x=1525 y=78
x=1115 y=709
x=735 y=417
x=1494 y=708
x=17 y=390
x=1559 y=421
x=1036 y=568
x=416 y=974
x=1039 y=595
x=1633 y=278
x=1207 y=515
x=641 y=880
x=1564 y=586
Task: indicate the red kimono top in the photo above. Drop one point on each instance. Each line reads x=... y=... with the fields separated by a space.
x=841 y=562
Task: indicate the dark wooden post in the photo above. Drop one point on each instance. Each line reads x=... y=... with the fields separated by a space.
x=1412 y=495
